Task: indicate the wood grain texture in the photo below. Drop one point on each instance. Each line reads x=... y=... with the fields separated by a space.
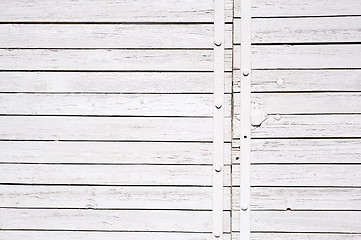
x=109 y=128
x=115 y=82
x=27 y=196
x=109 y=60
x=110 y=36
x=286 y=8
x=112 y=104
x=110 y=11
x=330 y=175
x=303 y=126
x=300 y=236
x=306 y=56
x=76 y=235
x=301 y=198
x=306 y=151
x=305 y=80
x=306 y=30
x=109 y=220
x=109 y=152
x=124 y=175
x=301 y=221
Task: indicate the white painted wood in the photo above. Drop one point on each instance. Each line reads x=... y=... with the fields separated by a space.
x=76 y=235
x=110 y=11
x=329 y=175
x=114 y=82
x=109 y=36
x=111 y=60
x=306 y=80
x=109 y=152
x=109 y=128
x=306 y=30
x=306 y=151
x=110 y=174
x=306 y=103
x=110 y=220
x=28 y=196
x=286 y=8
x=269 y=198
x=301 y=221
x=306 y=56
x=302 y=236
x=219 y=107
x=306 y=126
x=112 y=104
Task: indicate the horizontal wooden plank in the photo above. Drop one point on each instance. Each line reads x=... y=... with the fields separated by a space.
x=306 y=30
x=109 y=128
x=114 y=82
x=110 y=11
x=27 y=196
x=112 y=104
x=304 y=126
x=123 y=175
x=301 y=198
x=306 y=56
x=330 y=175
x=110 y=36
x=300 y=236
x=306 y=151
x=109 y=152
x=308 y=103
x=305 y=80
x=110 y=60
x=75 y=235
x=304 y=221
x=109 y=220
x=286 y=8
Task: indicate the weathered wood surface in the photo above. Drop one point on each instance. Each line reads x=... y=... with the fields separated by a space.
x=27 y=196
x=122 y=175
x=76 y=235
x=112 y=104
x=304 y=103
x=109 y=60
x=300 y=236
x=306 y=56
x=306 y=30
x=110 y=36
x=304 y=80
x=286 y=8
x=110 y=11
x=301 y=198
x=302 y=221
x=322 y=175
x=109 y=220
x=304 y=126
x=109 y=152
x=114 y=82
x=109 y=128
x=306 y=151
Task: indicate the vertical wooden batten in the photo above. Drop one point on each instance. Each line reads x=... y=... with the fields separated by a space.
x=218 y=120
x=245 y=118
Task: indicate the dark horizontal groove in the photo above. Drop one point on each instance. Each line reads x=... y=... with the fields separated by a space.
x=99 y=140
x=105 y=231
x=310 y=92
x=305 y=43
x=116 y=93
x=320 y=233
x=100 y=185
x=306 y=138
x=304 y=69
x=99 y=116
x=309 y=16
x=120 y=48
x=107 y=164
x=109 y=23
x=322 y=163
x=112 y=209
x=342 y=187
x=115 y=71
x=305 y=210
x=315 y=114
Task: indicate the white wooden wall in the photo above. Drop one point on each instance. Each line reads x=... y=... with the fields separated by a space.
x=306 y=155
x=106 y=122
